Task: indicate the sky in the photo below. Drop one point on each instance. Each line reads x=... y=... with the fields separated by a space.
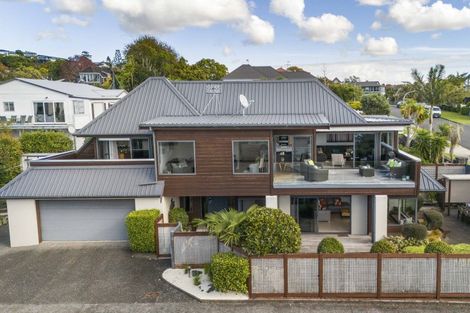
x=372 y=39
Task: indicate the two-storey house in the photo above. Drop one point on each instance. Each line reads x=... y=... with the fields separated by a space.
x=33 y=104
x=292 y=145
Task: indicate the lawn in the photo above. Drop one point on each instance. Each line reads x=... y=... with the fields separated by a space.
x=456 y=117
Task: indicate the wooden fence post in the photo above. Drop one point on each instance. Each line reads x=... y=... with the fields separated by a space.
x=379 y=275
x=286 y=277
x=320 y=275
x=438 y=275
x=156 y=236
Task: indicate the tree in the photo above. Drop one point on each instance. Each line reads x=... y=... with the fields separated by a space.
x=10 y=158
x=348 y=92
x=430 y=90
x=417 y=113
x=209 y=69
x=428 y=146
x=352 y=79
x=294 y=68
x=375 y=104
x=45 y=142
x=453 y=133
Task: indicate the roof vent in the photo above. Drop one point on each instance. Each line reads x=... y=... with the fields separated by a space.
x=213 y=89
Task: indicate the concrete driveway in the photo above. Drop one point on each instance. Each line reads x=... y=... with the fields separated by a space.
x=82 y=273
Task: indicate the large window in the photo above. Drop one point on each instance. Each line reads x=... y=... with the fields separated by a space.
x=125 y=148
x=176 y=157
x=251 y=157
x=78 y=107
x=401 y=210
x=49 y=112
x=9 y=106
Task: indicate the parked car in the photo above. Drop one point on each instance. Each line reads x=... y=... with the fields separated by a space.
x=436 y=111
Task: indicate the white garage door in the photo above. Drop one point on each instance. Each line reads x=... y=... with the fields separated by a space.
x=83 y=220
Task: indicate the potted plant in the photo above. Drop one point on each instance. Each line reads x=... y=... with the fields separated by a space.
x=122 y=151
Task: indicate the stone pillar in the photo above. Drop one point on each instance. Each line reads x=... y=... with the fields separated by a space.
x=358 y=215
x=272 y=202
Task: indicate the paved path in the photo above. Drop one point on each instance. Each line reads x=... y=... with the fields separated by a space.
x=459 y=231
x=437 y=121
x=252 y=307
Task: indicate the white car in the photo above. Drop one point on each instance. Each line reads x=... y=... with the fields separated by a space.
x=436 y=111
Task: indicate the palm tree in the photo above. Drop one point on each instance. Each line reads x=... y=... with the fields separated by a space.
x=455 y=136
x=431 y=89
x=417 y=113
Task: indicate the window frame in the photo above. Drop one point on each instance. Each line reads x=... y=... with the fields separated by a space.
x=44 y=114
x=82 y=107
x=149 y=148
x=7 y=105
x=157 y=154
x=268 y=172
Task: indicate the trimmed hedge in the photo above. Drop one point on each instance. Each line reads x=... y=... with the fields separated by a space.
x=330 y=245
x=45 y=142
x=401 y=243
x=141 y=230
x=415 y=231
x=383 y=246
x=414 y=249
x=269 y=231
x=229 y=272
x=438 y=247
x=179 y=215
x=434 y=219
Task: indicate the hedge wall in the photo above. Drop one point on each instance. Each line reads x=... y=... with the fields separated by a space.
x=229 y=272
x=45 y=142
x=141 y=230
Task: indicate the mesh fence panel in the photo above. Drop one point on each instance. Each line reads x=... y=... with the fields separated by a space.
x=352 y=275
x=164 y=239
x=267 y=276
x=303 y=275
x=194 y=249
x=455 y=275
x=409 y=275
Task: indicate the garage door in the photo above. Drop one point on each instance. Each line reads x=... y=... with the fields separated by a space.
x=84 y=220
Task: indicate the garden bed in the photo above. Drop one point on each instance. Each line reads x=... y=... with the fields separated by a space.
x=203 y=292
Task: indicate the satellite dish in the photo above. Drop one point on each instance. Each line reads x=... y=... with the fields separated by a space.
x=71 y=129
x=244 y=101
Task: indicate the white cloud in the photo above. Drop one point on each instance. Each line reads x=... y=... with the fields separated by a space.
x=373 y=2
x=418 y=16
x=156 y=16
x=436 y=36
x=227 y=51
x=328 y=28
x=378 y=46
x=85 y=7
x=376 y=25
x=65 y=19
x=58 y=34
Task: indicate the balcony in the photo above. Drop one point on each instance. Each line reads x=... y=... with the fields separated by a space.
x=378 y=175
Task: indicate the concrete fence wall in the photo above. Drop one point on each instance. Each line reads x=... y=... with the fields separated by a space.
x=360 y=275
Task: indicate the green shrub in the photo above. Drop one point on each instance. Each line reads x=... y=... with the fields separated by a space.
x=269 y=231
x=141 y=230
x=356 y=105
x=330 y=245
x=197 y=280
x=375 y=104
x=229 y=272
x=383 y=246
x=414 y=249
x=465 y=110
x=10 y=158
x=179 y=215
x=434 y=219
x=438 y=247
x=401 y=243
x=45 y=142
x=415 y=231
x=225 y=225
x=461 y=248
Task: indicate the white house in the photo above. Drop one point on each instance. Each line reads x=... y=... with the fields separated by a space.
x=32 y=104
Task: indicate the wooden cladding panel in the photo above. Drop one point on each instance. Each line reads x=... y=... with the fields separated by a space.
x=214 y=174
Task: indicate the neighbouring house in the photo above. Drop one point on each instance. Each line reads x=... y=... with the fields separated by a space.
x=293 y=145
x=249 y=72
x=93 y=75
x=33 y=104
x=372 y=87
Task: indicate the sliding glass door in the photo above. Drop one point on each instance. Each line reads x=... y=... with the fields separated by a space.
x=364 y=149
x=305 y=210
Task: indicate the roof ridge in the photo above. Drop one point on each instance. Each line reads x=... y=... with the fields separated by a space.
x=177 y=93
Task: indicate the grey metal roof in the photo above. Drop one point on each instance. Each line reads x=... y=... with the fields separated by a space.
x=260 y=120
x=154 y=97
x=385 y=119
x=84 y=182
x=368 y=83
x=75 y=89
x=158 y=97
x=270 y=98
x=429 y=184
x=250 y=72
